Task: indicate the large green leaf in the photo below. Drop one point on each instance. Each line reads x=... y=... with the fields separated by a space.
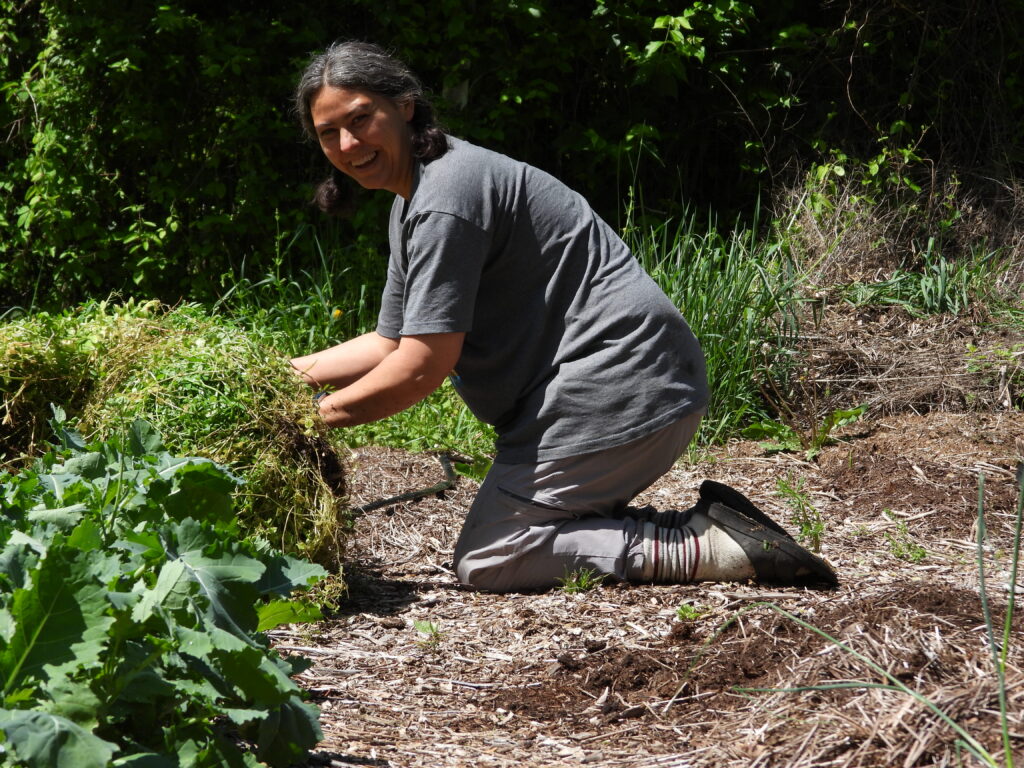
x=60 y=619
x=43 y=740
x=226 y=581
x=285 y=574
x=288 y=733
x=278 y=612
x=143 y=439
x=19 y=557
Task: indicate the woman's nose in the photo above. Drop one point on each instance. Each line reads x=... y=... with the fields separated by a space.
x=346 y=140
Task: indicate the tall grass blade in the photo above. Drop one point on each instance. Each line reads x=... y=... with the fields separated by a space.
x=998 y=654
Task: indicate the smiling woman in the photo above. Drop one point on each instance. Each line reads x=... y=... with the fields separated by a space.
x=507 y=280
x=361 y=67
x=366 y=136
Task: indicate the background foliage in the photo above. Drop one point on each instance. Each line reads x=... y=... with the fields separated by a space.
x=147 y=146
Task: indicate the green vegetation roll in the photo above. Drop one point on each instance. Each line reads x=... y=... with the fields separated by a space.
x=209 y=387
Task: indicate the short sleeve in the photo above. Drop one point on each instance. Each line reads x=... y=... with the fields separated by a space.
x=389 y=321
x=445 y=256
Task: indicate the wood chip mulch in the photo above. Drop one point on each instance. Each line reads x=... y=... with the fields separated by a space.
x=414 y=670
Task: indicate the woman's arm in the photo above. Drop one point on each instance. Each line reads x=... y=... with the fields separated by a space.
x=341 y=365
x=414 y=369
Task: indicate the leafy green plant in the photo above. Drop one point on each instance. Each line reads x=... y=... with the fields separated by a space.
x=822 y=433
x=775 y=436
x=808 y=519
x=431 y=634
x=581 y=580
x=689 y=612
x=778 y=436
x=938 y=285
x=902 y=544
x=133 y=615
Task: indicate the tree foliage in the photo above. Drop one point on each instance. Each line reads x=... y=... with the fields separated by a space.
x=148 y=147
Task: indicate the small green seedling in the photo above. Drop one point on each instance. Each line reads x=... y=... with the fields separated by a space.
x=431 y=632
x=689 y=612
x=812 y=527
x=582 y=580
x=903 y=547
x=775 y=436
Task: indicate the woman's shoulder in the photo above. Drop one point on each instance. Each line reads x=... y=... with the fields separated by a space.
x=464 y=156
x=465 y=178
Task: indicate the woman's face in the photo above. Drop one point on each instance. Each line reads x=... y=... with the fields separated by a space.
x=366 y=136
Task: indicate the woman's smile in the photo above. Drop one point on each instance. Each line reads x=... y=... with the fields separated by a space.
x=366 y=136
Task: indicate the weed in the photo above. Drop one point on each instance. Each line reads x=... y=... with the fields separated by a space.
x=807 y=518
x=775 y=436
x=903 y=546
x=582 y=580
x=431 y=632
x=937 y=285
x=1003 y=368
x=689 y=612
x=781 y=437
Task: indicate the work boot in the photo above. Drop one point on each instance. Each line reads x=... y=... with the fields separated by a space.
x=725 y=537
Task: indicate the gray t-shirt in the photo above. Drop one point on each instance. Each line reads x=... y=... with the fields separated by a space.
x=570 y=346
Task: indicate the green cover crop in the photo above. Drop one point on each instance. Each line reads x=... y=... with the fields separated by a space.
x=132 y=611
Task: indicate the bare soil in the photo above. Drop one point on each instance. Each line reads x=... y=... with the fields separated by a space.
x=617 y=677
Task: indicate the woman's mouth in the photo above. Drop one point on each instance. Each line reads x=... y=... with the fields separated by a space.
x=365 y=160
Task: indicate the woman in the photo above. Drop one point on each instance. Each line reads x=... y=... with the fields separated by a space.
x=505 y=280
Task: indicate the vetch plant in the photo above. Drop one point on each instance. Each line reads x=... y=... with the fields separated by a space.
x=432 y=634
x=903 y=546
x=689 y=612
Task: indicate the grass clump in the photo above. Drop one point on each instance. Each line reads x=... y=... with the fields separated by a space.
x=212 y=390
x=582 y=580
x=43 y=361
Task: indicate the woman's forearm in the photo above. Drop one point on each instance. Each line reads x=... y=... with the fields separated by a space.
x=345 y=363
x=415 y=369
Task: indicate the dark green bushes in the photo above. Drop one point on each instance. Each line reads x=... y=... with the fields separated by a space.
x=147 y=146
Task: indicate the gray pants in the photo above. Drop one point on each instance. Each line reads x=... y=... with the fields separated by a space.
x=532 y=524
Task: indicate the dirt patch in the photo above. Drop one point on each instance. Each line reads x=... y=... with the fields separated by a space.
x=315 y=451
x=616 y=677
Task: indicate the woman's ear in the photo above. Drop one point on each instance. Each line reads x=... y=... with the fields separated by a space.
x=408 y=109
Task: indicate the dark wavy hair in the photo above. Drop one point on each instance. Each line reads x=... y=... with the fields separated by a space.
x=365 y=67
